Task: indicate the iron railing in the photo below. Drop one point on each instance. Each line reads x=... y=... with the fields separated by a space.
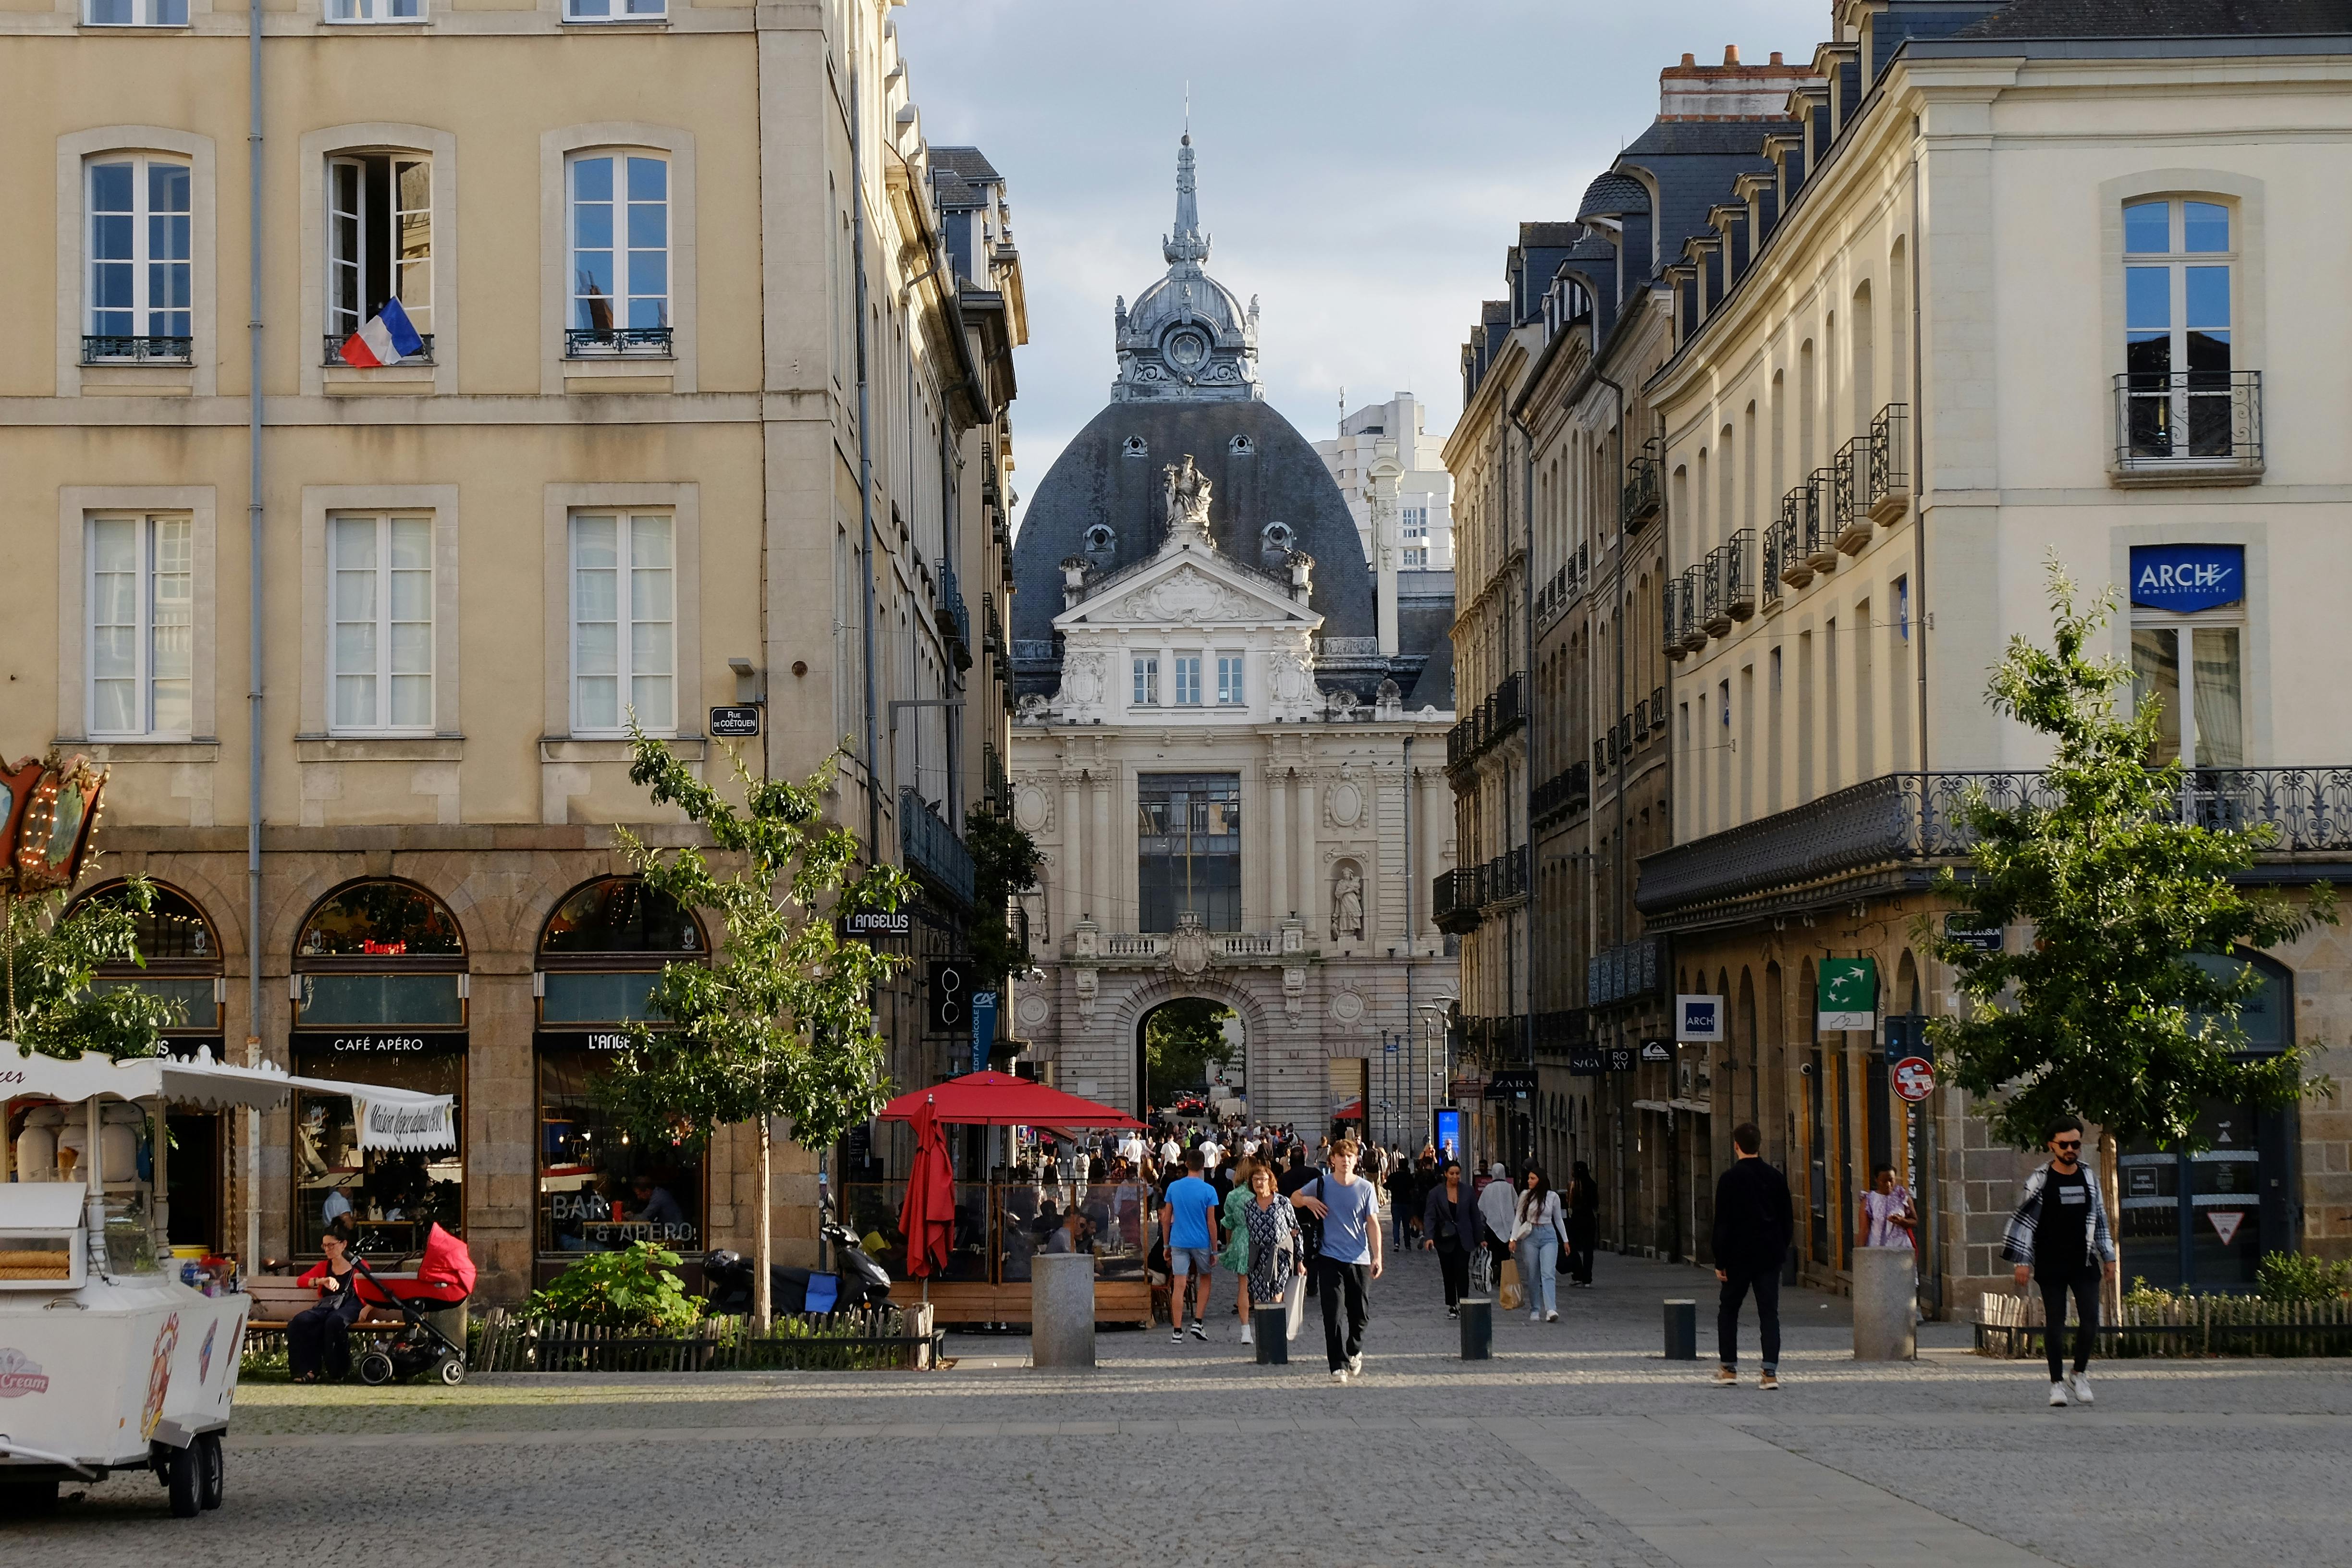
x=1454 y=897
x=1643 y=496
x=1693 y=598
x=1501 y=712
x=1887 y=489
x=599 y=343
x=1913 y=819
x=1731 y=582
x=1822 y=522
x=335 y=341
x=1796 y=529
x=1564 y=793
x=2189 y=419
x=109 y=348
x=931 y=848
x=1771 y=583
x=1628 y=972
x=1672 y=614
x=955 y=621
x=1849 y=474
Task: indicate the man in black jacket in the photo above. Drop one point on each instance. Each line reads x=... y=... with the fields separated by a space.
x=1754 y=1224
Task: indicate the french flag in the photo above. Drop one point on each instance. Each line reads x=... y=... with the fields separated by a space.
x=387 y=338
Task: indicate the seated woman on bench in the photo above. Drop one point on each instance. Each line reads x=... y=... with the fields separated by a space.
x=319 y=1338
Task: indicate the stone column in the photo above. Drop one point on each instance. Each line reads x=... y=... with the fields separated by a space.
x=1436 y=826
x=1310 y=871
x=1073 y=877
x=1277 y=856
x=1105 y=866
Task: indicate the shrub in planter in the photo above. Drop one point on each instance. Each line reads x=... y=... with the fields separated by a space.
x=631 y=1290
x=2299 y=1277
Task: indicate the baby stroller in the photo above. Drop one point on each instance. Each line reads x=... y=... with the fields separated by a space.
x=414 y=1346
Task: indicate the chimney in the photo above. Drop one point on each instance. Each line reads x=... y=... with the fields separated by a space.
x=1731 y=54
x=1074 y=580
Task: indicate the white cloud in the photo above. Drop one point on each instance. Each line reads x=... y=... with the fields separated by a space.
x=1363 y=163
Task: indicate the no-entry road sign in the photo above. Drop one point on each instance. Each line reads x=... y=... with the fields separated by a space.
x=1912 y=1078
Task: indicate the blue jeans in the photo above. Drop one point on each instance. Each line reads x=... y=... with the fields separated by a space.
x=1538 y=1256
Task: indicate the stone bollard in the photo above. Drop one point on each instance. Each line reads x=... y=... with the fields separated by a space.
x=1885 y=1303
x=917 y=1317
x=1682 y=1331
x=1062 y=1310
x=1477 y=1329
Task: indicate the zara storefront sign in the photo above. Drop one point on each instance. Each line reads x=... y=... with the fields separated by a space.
x=2183 y=579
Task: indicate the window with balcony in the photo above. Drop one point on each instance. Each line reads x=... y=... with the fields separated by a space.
x=141 y=606
x=379 y=243
x=136 y=14
x=1188 y=681
x=140 y=283
x=380 y=648
x=1229 y=679
x=620 y=256
x=2181 y=399
x=623 y=623
x=1146 y=669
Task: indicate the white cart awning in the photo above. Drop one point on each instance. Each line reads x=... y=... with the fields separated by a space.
x=387 y=1117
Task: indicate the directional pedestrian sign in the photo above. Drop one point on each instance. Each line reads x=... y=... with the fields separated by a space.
x=1912 y=1078
x=1657 y=1051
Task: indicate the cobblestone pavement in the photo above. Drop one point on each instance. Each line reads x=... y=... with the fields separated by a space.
x=1577 y=1445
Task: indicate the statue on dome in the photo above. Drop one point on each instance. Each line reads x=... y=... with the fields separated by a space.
x=1188 y=499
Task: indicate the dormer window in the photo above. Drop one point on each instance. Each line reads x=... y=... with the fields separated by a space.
x=1136 y=446
x=1102 y=544
x=1241 y=447
x=1274 y=542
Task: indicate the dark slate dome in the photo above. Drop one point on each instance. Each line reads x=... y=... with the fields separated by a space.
x=1261 y=472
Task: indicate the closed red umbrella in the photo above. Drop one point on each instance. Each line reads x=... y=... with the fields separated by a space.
x=927 y=1217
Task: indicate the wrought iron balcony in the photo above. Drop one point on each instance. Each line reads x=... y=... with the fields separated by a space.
x=1454 y=899
x=955 y=621
x=1643 y=495
x=1674 y=613
x=1822 y=522
x=1889 y=831
x=996 y=790
x=931 y=849
x=1564 y=793
x=106 y=348
x=626 y=342
x=335 y=341
x=1771 y=586
x=1693 y=598
x=1886 y=493
x=1795 y=532
x=1502 y=711
x=1628 y=971
x=1849 y=476
x=1730 y=582
x=2188 y=427
x=1504 y=877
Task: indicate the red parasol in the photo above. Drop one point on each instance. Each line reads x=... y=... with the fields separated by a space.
x=927 y=1217
x=1001 y=1100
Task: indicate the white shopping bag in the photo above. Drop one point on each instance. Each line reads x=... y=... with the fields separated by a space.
x=1294 y=1304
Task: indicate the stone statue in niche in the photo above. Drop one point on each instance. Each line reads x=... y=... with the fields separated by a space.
x=1188 y=499
x=1348 y=902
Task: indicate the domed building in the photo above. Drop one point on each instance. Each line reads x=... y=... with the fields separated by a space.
x=1232 y=735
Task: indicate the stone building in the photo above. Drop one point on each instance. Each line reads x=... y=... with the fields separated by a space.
x=1230 y=737
x=619 y=473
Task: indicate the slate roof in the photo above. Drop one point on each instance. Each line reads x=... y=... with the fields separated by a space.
x=968 y=162
x=2161 y=18
x=1613 y=195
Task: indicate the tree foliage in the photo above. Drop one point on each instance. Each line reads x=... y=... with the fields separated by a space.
x=2104 y=1016
x=1180 y=1040
x=781 y=1023
x=631 y=1288
x=1004 y=863
x=56 y=1004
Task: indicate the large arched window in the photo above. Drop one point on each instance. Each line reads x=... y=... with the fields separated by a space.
x=379 y=991
x=601 y=954
x=182 y=964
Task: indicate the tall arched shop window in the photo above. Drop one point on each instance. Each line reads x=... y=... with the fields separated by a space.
x=183 y=955
x=600 y=956
x=378 y=986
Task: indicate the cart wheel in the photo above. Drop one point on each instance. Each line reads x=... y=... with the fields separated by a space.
x=375 y=1368
x=453 y=1372
x=181 y=1480
x=212 y=1471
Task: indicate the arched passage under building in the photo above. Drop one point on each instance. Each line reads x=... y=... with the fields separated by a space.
x=1191 y=1048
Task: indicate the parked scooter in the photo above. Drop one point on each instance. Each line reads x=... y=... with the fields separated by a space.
x=861 y=1284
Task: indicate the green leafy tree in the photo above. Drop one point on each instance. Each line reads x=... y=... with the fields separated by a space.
x=1004 y=863
x=781 y=1022
x=2105 y=1015
x=1180 y=1040
x=50 y=956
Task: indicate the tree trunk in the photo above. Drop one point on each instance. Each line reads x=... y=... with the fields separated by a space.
x=2111 y=1291
x=763 y=1301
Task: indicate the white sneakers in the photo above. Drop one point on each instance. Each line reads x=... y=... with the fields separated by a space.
x=2079 y=1383
x=1552 y=1317
x=1339 y=1375
x=1355 y=1366
x=2058 y=1396
x=1246 y=1335
x=1535 y=1316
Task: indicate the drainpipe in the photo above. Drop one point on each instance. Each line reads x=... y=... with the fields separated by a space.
x=1528 y=747
x=865 y=470
x=1617 y=867
x=253 y=704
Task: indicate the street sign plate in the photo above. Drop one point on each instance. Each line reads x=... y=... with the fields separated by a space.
x=1912 y=1078
x=1657 y=1051
x=734 y=724
x=1968 y=928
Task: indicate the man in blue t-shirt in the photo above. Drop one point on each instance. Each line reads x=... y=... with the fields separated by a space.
x=1349 y=1260
x=1188 y=1222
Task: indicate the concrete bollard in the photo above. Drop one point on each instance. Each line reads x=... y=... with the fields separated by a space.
x=1682 y=1331
x=1477 y=1329
x=1062 y=1310
x=1885 y=1303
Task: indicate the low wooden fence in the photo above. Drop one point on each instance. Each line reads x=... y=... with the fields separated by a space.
x=812 y=1342
x=2013 y=1326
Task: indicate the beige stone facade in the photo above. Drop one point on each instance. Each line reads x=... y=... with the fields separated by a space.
x=623 y=474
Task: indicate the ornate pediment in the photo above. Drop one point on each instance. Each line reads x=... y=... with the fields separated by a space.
x=1193 y=589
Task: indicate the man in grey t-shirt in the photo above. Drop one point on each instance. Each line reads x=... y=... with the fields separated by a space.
x=1349 y=1260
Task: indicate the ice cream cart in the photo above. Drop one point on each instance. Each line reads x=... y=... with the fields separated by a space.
x=113 y=1355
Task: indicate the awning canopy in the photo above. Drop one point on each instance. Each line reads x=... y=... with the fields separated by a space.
x=386 y=1117
x=1001 y=1100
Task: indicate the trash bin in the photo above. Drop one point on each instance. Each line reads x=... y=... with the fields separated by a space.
x=1270 y=1332
x=1477 y=1329
x=1682 y=1331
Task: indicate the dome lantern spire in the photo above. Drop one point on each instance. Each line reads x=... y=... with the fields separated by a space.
x=1187 y=244
x=1188 y=338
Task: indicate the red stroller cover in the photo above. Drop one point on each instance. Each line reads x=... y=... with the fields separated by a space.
x=446 y=1273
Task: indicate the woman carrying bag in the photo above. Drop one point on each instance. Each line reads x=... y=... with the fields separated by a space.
x=1539 y=1237
x=1235 y=1257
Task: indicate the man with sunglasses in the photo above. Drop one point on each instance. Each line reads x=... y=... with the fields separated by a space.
x=2059 y=1237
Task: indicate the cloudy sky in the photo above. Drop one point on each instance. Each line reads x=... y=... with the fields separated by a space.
x=1363 y=163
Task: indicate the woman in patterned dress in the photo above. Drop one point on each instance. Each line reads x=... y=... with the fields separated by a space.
x=1277 y=1251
